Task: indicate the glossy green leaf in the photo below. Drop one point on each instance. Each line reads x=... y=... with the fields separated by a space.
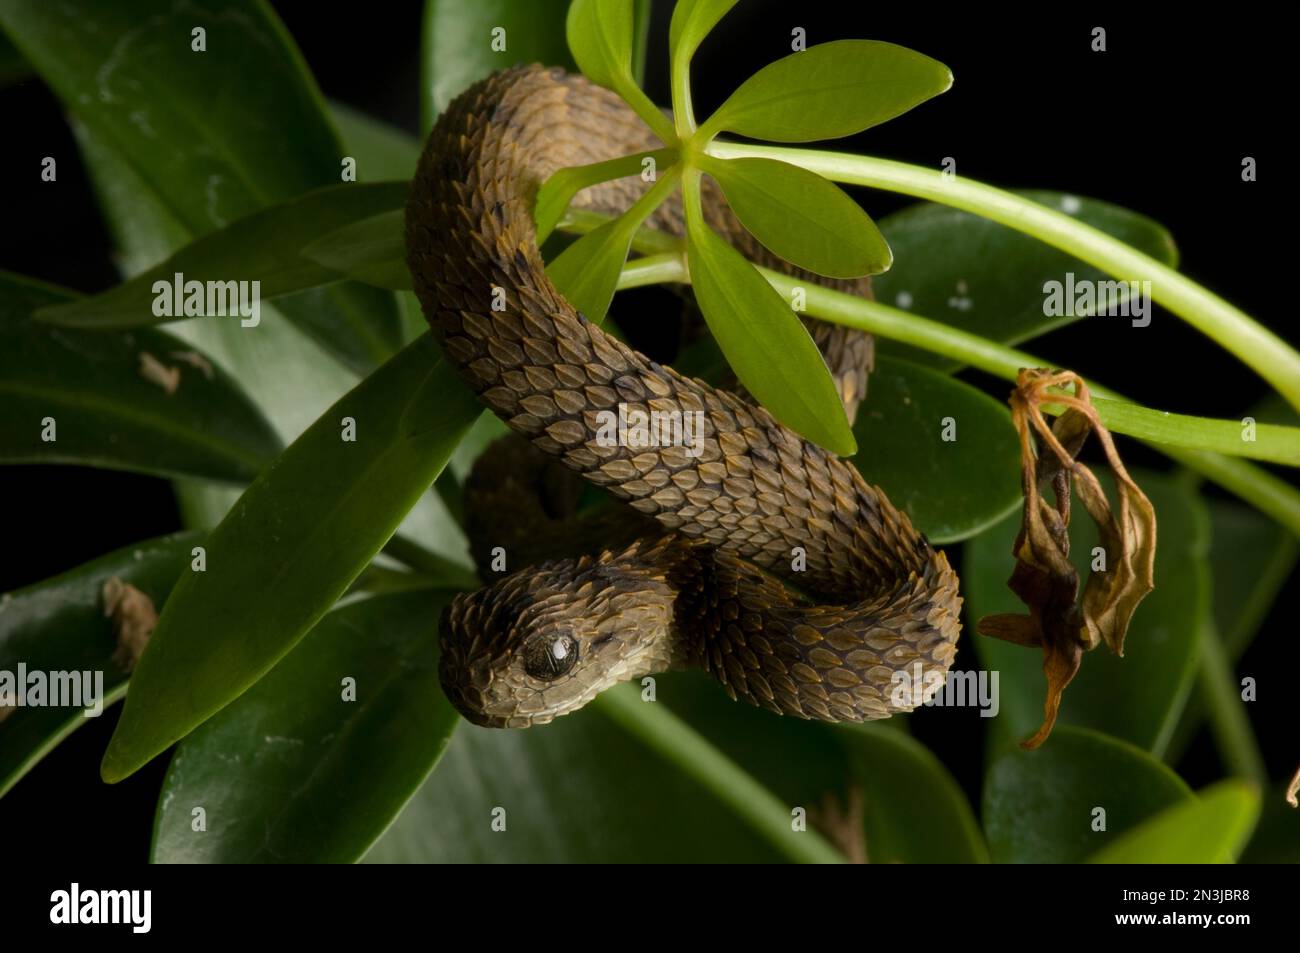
x=269 y=246
x=58 y=625
x=106 y=399
x=807 y=220
x=917 y=430
x=210 y=160
x=829 y=91
x=297 y=537
x=1210 y=829
x=1045 y=806
x=915 y=812
x=601 y=36
x=988 y=279
x=371 y=249
x=325 y=774
x=558 y=190
x=620 y=781
x=457 y=40
x=1139 y=697
x=384 y=153
x=1251 y=559
x=764 y=342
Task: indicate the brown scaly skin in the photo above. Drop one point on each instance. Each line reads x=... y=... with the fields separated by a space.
x=546 y=640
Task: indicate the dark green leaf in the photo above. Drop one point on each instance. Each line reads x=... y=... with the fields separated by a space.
x=294 y=771
x=988 y=279
x=830 y=90
x=1277 y=838
x=267 y=246
x=210 y=159
x=805 y=219
x=766 y=345
x=915 y=812
x=918 y=430
x=1042 y=807
x=384 y=153
x=295 y=540
x=59 y=626
x=457 y=44
x=1212 y=828
x=107 y=398
x=1138 y=697
x=372 y=250
x=621 y=781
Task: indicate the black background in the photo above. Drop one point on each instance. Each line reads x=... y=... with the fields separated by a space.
x=1159 y=123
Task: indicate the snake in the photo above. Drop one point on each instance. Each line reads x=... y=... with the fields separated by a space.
x=757 y=556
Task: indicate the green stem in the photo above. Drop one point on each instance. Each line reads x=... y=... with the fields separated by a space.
x=1257 y=487
x=1229 y=723
x=1259 y=348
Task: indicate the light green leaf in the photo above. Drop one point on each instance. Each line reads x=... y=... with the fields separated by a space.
x=59 y=625
x=916 y=429
x=1210 y=829
x=1139 y=697
x=328 y=771
x=601 y=36
x=1041 y=807
x=290 y=547
x=988 y=279
x=107 y=399
x=766 y=345
x=558 y=190
x=587 y=271
x=805 y=219
x=829 y=91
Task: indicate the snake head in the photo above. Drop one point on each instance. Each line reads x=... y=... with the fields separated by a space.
x=545 y=640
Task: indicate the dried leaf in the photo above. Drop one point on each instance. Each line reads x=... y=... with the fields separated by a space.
x=1044 y=579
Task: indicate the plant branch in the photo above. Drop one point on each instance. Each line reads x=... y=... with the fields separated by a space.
x=1259 y=348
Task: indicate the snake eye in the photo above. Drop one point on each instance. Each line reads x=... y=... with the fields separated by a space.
x=550 y=656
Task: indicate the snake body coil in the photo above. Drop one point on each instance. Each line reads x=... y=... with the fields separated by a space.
x=702 y=590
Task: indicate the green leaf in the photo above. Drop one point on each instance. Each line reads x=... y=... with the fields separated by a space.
x=988 y=279
x=372 y=250
x=295 y=540
x=917 y=430
x=384 y=153
x=915 y=812
x=59 y=626
x=621 y=781
x=807 y=220
x=12 y=65
x=692 y=21
x=1139 y=697
x=210 y=159
x=293 y=771
x=106 y=409
x=829 y=91
x=457 y=45
x=587 y=271
x=1210 y=829
x=268 y=246
x=601 y=35
x=558 y=190
x=1041 y=807
x=869 y=782
x=766 y=345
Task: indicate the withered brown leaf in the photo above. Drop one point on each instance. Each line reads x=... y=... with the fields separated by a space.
x=1044 y=579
